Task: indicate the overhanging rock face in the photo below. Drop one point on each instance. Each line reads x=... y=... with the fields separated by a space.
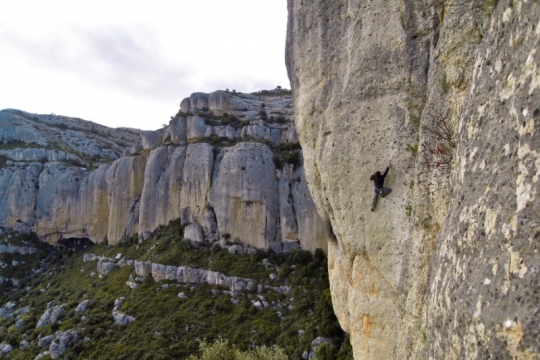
x=447 y=264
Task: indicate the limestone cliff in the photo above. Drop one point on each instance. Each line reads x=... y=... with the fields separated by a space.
x=446 y=266
x=217 y=166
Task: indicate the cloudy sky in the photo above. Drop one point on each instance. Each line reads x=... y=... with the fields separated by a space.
x=130 y=63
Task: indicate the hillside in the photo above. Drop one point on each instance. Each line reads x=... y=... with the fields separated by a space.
x=103 y=302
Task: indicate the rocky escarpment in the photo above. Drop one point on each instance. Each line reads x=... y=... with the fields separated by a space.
x=447 y=264
x=228 y=164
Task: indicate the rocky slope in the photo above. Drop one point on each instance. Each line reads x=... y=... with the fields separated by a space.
x=109 y=302
x=228 y=164
x=447 y=265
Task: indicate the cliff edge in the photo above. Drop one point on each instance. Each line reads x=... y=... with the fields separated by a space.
x=447 y=265
x=228 y=165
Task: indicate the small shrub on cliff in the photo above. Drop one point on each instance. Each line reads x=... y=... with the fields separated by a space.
x=289 y=153
x=3 y=161
x=437 y=153
x=262 y=114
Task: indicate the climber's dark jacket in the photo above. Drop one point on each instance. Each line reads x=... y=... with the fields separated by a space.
x=378 y=178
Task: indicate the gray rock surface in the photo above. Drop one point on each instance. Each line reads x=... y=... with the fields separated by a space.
x=196 y=128
x=125 y=180
x=22 y=250
x=209 y=225
x=119 y=317
x=5 y=349
x=161 y=195
x=151 y=139
x=45 y=341
x=82 y=306
x=193 y=233
x=195 y=101
x=51 y=315
x=54 y=191
x=23 y=344
x=244 y=195
x=105 y=265
x=188 y=275
x=437 y=270
x=63 y=340
x=6 y=311
x=315 y=344
x=196 y=180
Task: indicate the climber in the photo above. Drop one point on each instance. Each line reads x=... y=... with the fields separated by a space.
x=379 y=190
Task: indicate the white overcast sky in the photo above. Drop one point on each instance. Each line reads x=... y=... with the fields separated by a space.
x=130 y=63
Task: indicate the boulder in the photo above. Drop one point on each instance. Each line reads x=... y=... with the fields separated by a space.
x=193 y=233
x=315 y=344
x=5 y=349
x=142 y=268
x=23 y=344
x=89 y=257
x=118 y=302
x=7 y=309
x=51 y=315
x=82 y=306
x=121 y=318
x=45 y=341
x=63 y=340
x=236 y=249
x=164 y=272
x=105 y=265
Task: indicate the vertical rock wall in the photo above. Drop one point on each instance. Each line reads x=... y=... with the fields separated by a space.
x=160 y=199
x=125 y=180
x=94 y=204
x=216 y=166
x=482 y=298
x=446 y=265
x=196 y=180
x=245 y=195
x=353 y=80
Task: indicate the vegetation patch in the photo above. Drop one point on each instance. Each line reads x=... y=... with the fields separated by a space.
x=167 y=326
x=3 y=161
x=277 y=92
x=288 y=153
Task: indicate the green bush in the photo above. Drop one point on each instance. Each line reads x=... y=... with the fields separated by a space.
x=221 y=350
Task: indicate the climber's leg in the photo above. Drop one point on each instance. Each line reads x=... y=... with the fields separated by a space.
x=385 y=191
x=375 y=198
